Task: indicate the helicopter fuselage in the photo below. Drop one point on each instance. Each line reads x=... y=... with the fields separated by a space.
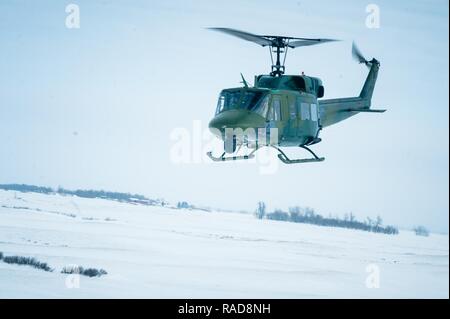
x=285 y=103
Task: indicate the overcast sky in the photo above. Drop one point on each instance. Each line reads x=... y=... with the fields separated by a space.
x=95 y=107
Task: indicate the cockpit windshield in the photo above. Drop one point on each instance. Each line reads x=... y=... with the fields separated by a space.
x=239 y=99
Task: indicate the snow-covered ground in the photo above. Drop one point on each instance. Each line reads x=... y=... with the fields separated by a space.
x=154 y=252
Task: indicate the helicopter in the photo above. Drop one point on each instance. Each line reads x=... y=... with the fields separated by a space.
x=283 y=110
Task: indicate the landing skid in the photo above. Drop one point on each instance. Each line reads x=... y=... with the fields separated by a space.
x=224 y=158
x=283 y=157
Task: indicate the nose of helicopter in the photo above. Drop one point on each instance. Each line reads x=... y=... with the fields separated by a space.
x=234 y=119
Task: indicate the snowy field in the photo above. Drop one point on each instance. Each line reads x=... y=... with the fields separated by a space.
x=154 y=252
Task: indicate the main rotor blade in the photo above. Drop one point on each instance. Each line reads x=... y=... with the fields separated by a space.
x=357 y=55
x=258 y=39
x=306 y=42
x=272 y=40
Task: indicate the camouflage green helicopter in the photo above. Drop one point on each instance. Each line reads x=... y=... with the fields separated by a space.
x=284 y=108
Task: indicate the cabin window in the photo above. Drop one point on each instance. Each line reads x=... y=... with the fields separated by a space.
x=305 y=111
x=292 y=110
x=298 y=105
x=314 y=112
x=276 y=109
x=270 y=115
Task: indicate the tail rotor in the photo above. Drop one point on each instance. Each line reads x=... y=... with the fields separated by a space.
x=359 y=57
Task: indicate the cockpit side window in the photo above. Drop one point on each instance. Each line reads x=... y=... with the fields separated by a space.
x=220 y=104
x=228 y=101
x=233 y=99
x=250 y=99
x=262 y=107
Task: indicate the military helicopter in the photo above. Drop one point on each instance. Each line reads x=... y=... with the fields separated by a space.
x=283 y=110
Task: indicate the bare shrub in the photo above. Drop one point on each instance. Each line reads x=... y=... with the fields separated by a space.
x=421 y=231
x=89 y=272
x=28 y=261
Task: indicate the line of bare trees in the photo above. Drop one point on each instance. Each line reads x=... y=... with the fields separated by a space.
x=309 y=216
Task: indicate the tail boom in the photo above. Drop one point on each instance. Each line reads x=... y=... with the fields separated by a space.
x=333 y=111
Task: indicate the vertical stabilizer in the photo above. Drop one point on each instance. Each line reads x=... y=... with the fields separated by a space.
x=369 y=85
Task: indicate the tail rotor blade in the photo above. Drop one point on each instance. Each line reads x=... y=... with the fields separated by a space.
x=357 y=55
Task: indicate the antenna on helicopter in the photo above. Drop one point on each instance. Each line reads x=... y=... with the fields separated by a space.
x=277 y=44
x=244 y=81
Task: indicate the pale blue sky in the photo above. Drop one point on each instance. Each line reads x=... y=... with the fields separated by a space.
x=94 y=107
